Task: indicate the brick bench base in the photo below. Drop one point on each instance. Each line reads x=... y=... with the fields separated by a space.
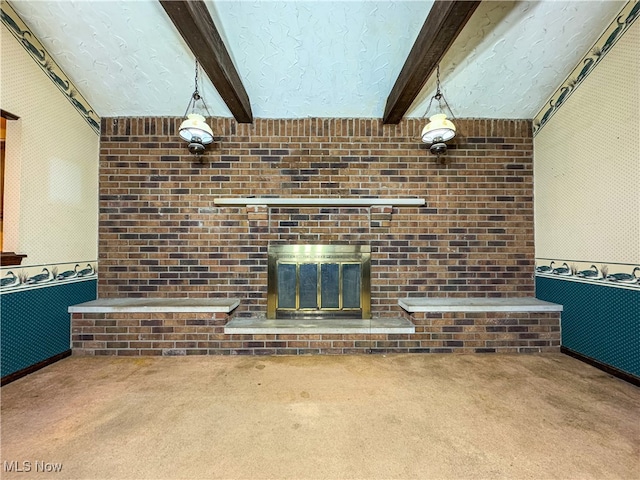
x=154 y=333
x=179 y=333
x=483 y=332
x=182 y=326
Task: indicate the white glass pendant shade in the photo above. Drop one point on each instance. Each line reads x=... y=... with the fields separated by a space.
x=194 y=127
x=439 y=129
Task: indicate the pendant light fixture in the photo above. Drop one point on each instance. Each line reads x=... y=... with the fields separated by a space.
x=439 y=129
x=194 y=128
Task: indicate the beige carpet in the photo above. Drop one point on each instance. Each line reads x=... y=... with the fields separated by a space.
x=368 y=417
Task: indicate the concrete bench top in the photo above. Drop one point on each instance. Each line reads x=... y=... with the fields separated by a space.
x=259 y=325
x=515 y=304
x=163 y=305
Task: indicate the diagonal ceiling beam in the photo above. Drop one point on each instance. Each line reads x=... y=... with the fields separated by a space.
x=443 y=24
x=193 y=21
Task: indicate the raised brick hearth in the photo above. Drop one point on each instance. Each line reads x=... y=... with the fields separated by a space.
x=122 y=333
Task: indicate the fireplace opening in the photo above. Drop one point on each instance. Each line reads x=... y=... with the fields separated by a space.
x=319 y=281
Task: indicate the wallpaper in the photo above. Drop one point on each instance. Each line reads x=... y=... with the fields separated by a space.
x=627 y=16
x=51 y=172
x=43 y=59
x=587 y=172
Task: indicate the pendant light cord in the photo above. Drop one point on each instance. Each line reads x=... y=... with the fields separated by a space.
x=196 y=95
x=439 y=96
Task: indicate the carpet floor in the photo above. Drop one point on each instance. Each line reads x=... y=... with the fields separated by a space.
x=321 y=417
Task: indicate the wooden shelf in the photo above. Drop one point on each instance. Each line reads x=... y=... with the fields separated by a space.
x=12 y=258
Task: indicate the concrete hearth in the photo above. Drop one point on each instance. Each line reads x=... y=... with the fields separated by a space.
x=347 y=326
x=157 y=305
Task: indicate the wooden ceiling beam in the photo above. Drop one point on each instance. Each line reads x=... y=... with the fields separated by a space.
x=193 y=21
x=443 y=24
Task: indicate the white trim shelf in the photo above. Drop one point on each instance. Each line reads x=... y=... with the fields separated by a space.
x=511 y=304
x=318 y=202
x=162 y=305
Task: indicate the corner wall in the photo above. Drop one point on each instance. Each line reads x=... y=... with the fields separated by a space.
x=587 y=199
x=50 y=202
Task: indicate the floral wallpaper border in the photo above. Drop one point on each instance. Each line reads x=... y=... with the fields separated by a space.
x=629 y=13
x=17 y=278
x=610 y=274
x=28 y=40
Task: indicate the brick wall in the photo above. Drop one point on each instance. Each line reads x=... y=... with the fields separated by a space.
x=160 y=234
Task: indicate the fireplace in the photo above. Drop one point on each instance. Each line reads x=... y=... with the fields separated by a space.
x=319 y=281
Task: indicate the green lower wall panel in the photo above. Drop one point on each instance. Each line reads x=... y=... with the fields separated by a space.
x=35 y=323
x=598 y=321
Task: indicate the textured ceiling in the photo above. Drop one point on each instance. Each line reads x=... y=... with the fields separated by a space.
x=317 y=58
x=511 y=56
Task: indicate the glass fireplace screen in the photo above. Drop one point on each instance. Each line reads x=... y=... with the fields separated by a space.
x=319 y=281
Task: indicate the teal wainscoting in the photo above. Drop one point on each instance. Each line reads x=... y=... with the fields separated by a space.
x=35 y=324
x=599 y=321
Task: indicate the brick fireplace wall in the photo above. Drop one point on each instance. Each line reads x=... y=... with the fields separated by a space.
x=160 y=235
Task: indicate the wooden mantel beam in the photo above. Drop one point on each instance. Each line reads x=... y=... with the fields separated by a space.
x=443 y=24
x=193 y=21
